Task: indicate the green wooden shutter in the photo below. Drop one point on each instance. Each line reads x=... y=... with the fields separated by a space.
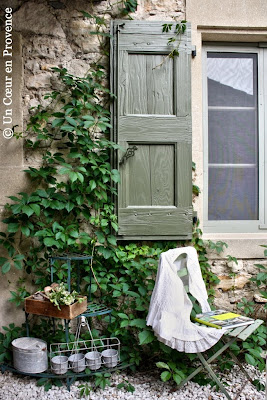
x=152 y=114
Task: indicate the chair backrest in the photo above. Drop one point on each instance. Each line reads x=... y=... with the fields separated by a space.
x=183 y=272
x=184 y=276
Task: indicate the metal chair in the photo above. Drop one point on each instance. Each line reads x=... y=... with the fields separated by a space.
x=230 y=337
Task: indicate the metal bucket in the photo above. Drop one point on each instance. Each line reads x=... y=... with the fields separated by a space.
x=30 y=355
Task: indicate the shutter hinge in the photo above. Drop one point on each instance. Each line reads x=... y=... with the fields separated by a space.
x=194 y=51
x=120 y=26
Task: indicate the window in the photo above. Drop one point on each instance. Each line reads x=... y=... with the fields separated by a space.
x=152 y=124
x=234 y=139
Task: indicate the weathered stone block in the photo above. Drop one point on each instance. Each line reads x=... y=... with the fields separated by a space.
x=36 y=18
x=237 y=281
x=38 y=81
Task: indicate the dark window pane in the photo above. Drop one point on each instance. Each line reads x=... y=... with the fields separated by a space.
x=233 y=193
x=232 y=136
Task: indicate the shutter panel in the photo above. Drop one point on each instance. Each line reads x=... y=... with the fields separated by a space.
x=152 y=119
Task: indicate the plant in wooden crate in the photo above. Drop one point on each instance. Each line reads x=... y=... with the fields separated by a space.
x=56 y=301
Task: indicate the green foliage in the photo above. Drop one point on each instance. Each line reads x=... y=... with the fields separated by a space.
x=246 y=306
x=125 y=384
x=85 y=390
x=177 y=29
x=102 y=380
x=10 y=333
x=59 y=295
x=75 y=183
x=171 y=372
x=203 y=247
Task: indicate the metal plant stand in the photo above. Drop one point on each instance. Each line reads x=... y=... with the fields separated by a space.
x=93 y=309
x=66 y=349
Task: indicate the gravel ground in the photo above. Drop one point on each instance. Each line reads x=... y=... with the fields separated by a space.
x=147 y=387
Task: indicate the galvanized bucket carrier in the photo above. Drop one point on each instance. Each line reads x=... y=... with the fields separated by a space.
x=93 y=309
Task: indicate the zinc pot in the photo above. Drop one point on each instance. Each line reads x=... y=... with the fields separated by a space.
x=77 y=362
x=93 y=360
x=30 y=355
x=59 y=365
x=110 y=358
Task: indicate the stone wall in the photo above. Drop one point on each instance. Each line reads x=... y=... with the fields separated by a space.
x=55 y=34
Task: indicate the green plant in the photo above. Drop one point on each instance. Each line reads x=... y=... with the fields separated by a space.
x=85 y=390
x=125 y=384
x=102 y=380
x=246 y=306
x=10 y=333
x=203 y=247
x=171 y=372
x=59 y=295
x=178 y=29
x=18 y=297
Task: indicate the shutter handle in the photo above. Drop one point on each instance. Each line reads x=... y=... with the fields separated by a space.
x=129 y=153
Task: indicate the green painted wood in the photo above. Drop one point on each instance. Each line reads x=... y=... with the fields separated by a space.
x=242 y=333
x=150 y=92
x=153 y=112
x=139 y=181
x=162 y=167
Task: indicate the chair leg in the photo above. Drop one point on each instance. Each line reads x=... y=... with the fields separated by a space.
x=213 y=375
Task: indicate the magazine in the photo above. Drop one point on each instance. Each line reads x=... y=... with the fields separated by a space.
x=223 y=319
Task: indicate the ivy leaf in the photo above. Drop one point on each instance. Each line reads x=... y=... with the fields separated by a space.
x=115 y=226
x=12 y=227
x=139 y=323
x=100 y=237
x=115 y=176
x=123 y=316
x=92 y=185
x=3 y=260
x=36 y=208
x=177 y=378
x=19 y=257
x=16 y=208
x=112 y=240
x=124 y=323
x=250 y=360
x=27 y=210
x=69 y=206
x=165 y=376
x=145 y=337
x=57 y=122
x=18 y=265
x=80 y=177
x=50 y=242
x=161 y=364
x=73 y=176
x=106 y=252
x=6 y=267
x=71 y=121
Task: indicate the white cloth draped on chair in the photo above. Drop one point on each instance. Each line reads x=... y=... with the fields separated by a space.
x=170 y=306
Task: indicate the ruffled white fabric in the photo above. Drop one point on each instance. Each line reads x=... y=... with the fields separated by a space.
x=170 y=306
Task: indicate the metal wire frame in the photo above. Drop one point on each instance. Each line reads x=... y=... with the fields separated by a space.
x=85 y=346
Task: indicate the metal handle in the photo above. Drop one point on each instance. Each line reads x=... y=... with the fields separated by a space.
x=129 y=153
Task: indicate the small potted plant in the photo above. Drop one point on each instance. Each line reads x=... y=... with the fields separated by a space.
x=56 y=301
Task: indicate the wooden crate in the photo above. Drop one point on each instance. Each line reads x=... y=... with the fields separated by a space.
x=48 y=309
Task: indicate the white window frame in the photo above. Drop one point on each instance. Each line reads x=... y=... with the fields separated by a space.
x=237 y=226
